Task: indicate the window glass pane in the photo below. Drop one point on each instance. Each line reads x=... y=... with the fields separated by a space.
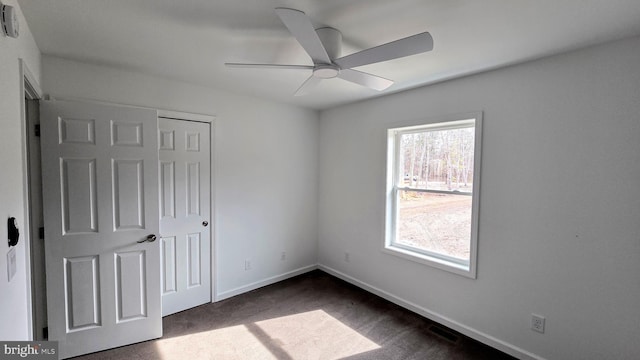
x=439 y=223
x=437 y=160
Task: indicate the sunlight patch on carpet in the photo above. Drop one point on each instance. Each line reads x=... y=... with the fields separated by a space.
x=309 y=335
x=315 y=335
x=235 y=342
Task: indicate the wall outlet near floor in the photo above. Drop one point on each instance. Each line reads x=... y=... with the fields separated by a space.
x=537 y=323
x=283 y=256
x=347 y=256
x=247 y=264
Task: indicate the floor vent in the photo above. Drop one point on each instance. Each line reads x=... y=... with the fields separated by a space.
x=444 y=334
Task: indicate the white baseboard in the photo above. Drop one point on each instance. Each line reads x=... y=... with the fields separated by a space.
x=262 y=283
x=441 y=319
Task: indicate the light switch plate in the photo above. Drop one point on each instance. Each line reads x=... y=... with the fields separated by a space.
x=11 y=263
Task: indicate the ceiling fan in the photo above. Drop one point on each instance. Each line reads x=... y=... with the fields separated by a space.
x=324 y=46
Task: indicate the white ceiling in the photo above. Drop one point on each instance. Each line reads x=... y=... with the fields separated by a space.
x=190 y=40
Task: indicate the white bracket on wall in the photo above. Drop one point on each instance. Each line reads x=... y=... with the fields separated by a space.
x=11 y=264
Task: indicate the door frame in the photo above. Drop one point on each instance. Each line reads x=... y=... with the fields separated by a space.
x=29 y=89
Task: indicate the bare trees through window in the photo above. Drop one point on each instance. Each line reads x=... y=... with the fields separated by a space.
x=438 y=159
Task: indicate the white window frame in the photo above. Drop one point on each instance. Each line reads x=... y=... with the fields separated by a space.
x=395 y=185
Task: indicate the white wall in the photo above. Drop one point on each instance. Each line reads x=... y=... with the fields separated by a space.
x=265 y=167
x=14 y=320
x=559 y=204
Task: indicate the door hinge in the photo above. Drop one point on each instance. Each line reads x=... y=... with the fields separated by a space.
x=45 y=333
x=41 y=233
x=37 y=129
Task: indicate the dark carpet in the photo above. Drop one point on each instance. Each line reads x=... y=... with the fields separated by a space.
x=311 y=316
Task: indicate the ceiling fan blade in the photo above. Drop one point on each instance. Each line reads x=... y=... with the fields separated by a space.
x=307 y=86
x=268 y=66
x=411 y=45
x=300 y=26
x=365 y=79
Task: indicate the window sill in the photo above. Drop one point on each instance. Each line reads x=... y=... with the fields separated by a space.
x=459 y=269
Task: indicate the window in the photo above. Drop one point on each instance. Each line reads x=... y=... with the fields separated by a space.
x=432 y=193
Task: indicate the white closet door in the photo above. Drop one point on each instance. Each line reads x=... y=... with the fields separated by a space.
x=100 y=180
x=185 y=192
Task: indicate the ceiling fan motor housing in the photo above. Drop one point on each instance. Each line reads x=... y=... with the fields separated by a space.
x=326 y=71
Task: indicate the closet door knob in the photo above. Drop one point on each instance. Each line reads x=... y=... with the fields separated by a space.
x=205 y=223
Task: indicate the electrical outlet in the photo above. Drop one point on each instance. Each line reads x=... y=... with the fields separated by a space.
x=347 y=257
x=247 y=264
x=537 y=323
x=283 y=256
